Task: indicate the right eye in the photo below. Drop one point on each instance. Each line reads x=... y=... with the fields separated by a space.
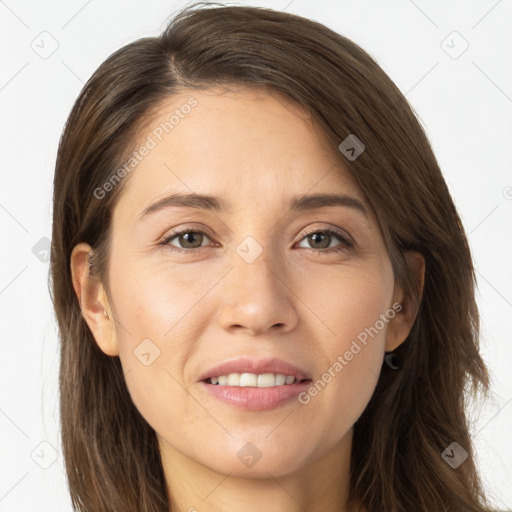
x=188 y=238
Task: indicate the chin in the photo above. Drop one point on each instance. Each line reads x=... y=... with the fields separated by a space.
x=258 y=458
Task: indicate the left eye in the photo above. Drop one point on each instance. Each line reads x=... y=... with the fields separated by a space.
x=325 y=237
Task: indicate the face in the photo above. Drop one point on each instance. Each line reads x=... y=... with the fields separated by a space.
x=250 y=275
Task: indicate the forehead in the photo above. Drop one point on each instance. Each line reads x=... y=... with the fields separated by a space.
x=246 y=145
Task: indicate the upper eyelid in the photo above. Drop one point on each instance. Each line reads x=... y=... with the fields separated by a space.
x=337 y=231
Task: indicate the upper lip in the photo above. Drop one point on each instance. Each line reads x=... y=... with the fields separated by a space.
x=256 y=366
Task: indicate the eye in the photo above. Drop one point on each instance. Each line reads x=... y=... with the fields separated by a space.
x=190 y=240
x=323 y=239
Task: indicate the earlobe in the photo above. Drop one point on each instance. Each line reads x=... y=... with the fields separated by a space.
x=401 y=325
x=93 y=301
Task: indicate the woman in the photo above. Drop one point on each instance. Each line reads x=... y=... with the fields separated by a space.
x=264 y=291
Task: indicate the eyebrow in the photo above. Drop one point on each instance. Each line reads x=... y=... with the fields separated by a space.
x=216 y=204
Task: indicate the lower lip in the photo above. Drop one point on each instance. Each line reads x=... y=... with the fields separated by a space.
x=256 y=399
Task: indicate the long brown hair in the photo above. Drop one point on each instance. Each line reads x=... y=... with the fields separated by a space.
x=111 y=454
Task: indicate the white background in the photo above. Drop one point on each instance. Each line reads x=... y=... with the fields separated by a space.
x=464 y=103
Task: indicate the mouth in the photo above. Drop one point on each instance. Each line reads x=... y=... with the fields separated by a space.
x=245 y=371
x=270 y=392
x=255 y=384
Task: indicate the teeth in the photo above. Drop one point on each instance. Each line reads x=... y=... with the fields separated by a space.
x=245 y=379
x=265 y=380
x=281 y=379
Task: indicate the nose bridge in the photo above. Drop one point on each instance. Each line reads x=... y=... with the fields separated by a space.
x=258 y=266
x=255 y=295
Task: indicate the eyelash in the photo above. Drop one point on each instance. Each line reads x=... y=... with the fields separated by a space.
x=344 y=246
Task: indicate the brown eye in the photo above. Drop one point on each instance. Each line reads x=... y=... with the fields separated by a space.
x=322 y=239
x=188 y=240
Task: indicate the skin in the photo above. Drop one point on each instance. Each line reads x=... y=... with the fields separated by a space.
x=255 y=151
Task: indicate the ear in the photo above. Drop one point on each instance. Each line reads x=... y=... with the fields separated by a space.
x=93 y=300
x=400 y=326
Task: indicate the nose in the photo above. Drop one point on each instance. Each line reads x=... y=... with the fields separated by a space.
x=257 y=298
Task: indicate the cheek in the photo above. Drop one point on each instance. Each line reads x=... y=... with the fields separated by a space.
x=353 y=306
x=157 y=323
x=346 y=301
x=158 y=300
